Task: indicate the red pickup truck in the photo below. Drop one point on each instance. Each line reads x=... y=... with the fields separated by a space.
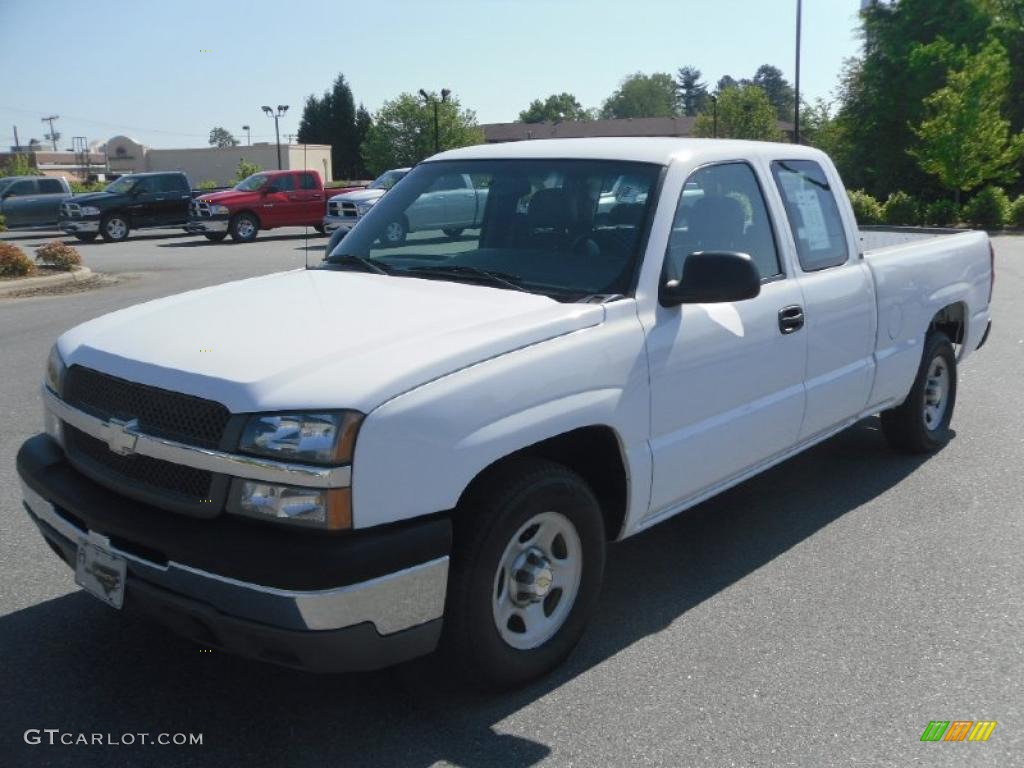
x=264 y=200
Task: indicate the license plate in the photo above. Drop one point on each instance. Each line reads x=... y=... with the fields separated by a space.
x=101 y=573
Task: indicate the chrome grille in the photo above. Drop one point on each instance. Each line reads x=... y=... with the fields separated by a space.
x=71 y=210
x=200 y=209
x=346 y=210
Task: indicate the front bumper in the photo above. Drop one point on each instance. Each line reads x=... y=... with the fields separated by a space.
x=206 y=226
x=319 y=602
x=345 y=223
x=78 y=225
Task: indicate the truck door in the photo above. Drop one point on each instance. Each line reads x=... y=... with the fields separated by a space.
x=838 y=297
x=460 y=203
x=429 y=211
x=277 y=202
x=726 y=379
x=311 y=194
x=18 y=202
x=142 y=202
x=46 y=209
x=172 y=199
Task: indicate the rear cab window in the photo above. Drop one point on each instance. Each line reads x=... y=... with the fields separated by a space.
x=50 y=187
x=813 y=214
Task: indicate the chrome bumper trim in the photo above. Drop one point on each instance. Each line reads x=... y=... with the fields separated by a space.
x=76 y=225
x=391 y=603
x=332 y=223
x=249 y=467
x=213 y=225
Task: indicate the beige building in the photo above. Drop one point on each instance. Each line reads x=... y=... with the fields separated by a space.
x=216 y=164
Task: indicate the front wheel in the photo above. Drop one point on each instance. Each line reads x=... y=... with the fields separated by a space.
x=215 y=237
x=394 y=233
x=244 y=228
x=453 y=232
x=115 y=228
x=86 y=237
x=526 y=572
x=921 y=423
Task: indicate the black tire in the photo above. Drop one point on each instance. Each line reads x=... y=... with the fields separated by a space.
x=115 y=228
x=909 y=427
x=394 y=233
x=487 y=522
x=215 y=237
x=244 y=228
x=320 y=229
x=453 y=232
x=86 y=237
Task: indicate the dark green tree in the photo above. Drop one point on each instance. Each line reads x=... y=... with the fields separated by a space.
x=693 y=93
x=777 y=89
x=642 y=95
x=331 y=119
x=744 y=112
x=556 y=107
x=221 y=137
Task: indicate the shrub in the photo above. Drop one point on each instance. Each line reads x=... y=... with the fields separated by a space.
x=1017 y=212
x=59 y=255
x=866 y=208
x=81 y=187
x=3 y=223
x=901 y=210
x=989 y=209
x=208 y=184
x=14 y=262
x=246 y=169
x=942 y=213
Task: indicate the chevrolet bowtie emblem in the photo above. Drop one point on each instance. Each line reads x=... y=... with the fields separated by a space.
x=120 y=437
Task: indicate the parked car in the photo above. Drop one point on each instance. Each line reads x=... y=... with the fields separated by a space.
x=452 y=201
x=344 y=210
x=265 y=200
x=452 y=431
x=32 y=202
x=134 y=201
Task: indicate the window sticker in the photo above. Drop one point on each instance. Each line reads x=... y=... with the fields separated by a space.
x=814 y=230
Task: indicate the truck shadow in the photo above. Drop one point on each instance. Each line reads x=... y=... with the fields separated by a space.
x=314 y=237
x=72 y=664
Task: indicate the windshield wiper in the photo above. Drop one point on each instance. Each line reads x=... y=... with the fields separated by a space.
x=493 y=277
x=368 y=264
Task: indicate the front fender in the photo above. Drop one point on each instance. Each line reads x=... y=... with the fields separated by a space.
x=418 y=452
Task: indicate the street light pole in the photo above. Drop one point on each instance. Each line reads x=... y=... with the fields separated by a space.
x=445 y=93
x=248 y=135
x=714 y=113
x=281 y=109
x=796 y=87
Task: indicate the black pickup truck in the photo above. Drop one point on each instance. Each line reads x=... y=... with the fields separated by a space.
x=135 y=201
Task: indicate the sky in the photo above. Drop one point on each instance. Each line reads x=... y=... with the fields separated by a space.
x=165 y=73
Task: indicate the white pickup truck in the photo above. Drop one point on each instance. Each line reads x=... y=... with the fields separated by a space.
x=437 y=441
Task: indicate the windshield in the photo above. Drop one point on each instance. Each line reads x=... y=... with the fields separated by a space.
x=387 y=180
x=122 y=185
x=252 y=183
x=537 y=225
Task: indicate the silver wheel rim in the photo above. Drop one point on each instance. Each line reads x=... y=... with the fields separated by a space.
x=537 y=580
x=116 y=228
x=936 y=393
x=394 y=232
x=245 y=228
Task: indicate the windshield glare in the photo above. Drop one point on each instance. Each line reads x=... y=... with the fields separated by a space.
x=549 y=226
x=122 y=185
x=252 y=183
x=387 y=180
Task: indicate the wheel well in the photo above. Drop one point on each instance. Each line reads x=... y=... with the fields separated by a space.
x=594 y=454
x=951 y=320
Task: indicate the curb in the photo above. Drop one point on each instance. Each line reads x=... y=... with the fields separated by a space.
x=82 y=273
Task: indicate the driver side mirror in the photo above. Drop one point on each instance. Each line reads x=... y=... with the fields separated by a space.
x=713 y=277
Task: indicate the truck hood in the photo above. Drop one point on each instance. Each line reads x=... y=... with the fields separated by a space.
x=316 y=338
x=228 y=196
x=360 y=195
x=95 y=197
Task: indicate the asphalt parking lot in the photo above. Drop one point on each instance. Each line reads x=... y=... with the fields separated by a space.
x=820 y=614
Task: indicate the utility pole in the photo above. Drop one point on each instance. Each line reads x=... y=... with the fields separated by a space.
x=281 y=109
x=714 y=113
x=445 y=93
x=248 y=135
x=796 y=87
x=52 y=135
x=17 y=142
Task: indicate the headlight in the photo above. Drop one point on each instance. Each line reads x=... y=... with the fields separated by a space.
x=220 y=210
x=89 y=210
x=362 y=208
x=55 y=372
x=315 y=438
x=328 y=508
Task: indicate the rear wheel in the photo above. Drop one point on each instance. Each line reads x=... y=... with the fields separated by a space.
x=394 y=233
x=86 y=237
x=215 y=237
x=921 y=423
x=525 y=574
x=115 y=228
x=244 y=228
x=320 y=229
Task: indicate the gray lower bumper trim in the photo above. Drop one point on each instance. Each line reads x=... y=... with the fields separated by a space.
x=391 y=603
x=79 y=226
x=200 y=226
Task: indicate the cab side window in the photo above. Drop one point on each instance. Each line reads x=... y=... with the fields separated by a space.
x=722 y=208
x=145 y=185
x=285 y=183
x=50 y=187
x=306 y=181
x=813 y=214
